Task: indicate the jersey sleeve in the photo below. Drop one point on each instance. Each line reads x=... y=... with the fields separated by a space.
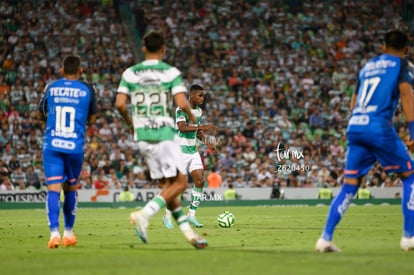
x=406 y=72
x=177 y=83
x=180 y=115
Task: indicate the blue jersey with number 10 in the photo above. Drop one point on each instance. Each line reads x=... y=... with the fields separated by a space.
x=378 y=94
x=67 y=104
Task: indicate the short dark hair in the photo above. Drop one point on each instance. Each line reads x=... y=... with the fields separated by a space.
x=71 y=64
x=396 y=40
x=154 y=40
x=196 y=87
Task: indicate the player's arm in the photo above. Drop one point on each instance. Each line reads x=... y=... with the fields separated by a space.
x=93 y=109
x=42 y=108
x=184 y=127
x=407 y=103
x=182 y=102
x=354 y=96
x=121 y=104
x=407 y=97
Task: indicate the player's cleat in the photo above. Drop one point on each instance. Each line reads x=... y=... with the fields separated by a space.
x=140 y=224
x=199 y=243
x=167 y=222
x=69 y=241
x=54 y=242
x=193 y=220
x=324 y=246
x=407 y=244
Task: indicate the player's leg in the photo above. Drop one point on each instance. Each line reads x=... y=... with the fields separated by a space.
x=54 y=176
x=158 y=158
x=166 y=164
x=73 y=168
x=166 y=219
x=359 y=161
x=395 y=158
x=196 y=192
x=407 y=203
x=182 y=222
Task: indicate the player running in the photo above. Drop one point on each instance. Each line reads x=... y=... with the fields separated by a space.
x=150 y=86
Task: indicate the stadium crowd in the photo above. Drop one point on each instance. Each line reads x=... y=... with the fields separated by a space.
x=278 y=76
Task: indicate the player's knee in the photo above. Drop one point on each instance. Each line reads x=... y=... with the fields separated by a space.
x=198 y=178
x=406 y=174
x=199 y=182
x=352 y=181
x=56 y=187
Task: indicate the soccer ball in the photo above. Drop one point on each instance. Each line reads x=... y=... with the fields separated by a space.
x=225 y=219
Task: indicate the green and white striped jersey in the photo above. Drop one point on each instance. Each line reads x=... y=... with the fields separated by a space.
x=187 y=140
x=151 y=85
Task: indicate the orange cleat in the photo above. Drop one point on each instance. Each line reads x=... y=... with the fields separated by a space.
x=54 y=242
x=69 y=241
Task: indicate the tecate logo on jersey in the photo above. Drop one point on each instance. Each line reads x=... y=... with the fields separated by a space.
x=67 y=92
x=64 y=144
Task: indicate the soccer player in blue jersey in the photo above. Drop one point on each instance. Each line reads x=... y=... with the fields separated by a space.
x=67 y=105
x=382 y=81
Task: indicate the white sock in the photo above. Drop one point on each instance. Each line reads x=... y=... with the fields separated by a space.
x=54 y=233
x=168 y=213
x=185 y=227
x=152 y=207
x=68 y=233
x=191 y=212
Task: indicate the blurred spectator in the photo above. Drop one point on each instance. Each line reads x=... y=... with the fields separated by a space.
x=363 y=192
x=325 y=192
x=230 y=193
x=18 y=177
x=101 y=181
x=126 y=195
x=7 y=185
x=32 y=178
x=214 y=179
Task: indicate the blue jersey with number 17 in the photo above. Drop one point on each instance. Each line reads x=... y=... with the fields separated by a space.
x=67 y=104
x=378 y=94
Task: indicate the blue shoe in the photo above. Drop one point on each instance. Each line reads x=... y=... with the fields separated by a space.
x=193 y=220
x=199 y=243
x=167 y=222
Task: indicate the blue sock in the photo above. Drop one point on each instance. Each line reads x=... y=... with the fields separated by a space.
x=337 y=209
x=69 y=209
x=407 y=203
x=53 y=209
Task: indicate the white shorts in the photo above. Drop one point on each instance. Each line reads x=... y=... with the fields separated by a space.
x=193 y=162
x=163 y=158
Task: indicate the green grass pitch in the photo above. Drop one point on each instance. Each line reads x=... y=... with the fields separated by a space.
x=264 y=240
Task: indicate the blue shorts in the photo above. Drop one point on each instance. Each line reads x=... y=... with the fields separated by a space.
x=364 y=149
x=61 y=167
